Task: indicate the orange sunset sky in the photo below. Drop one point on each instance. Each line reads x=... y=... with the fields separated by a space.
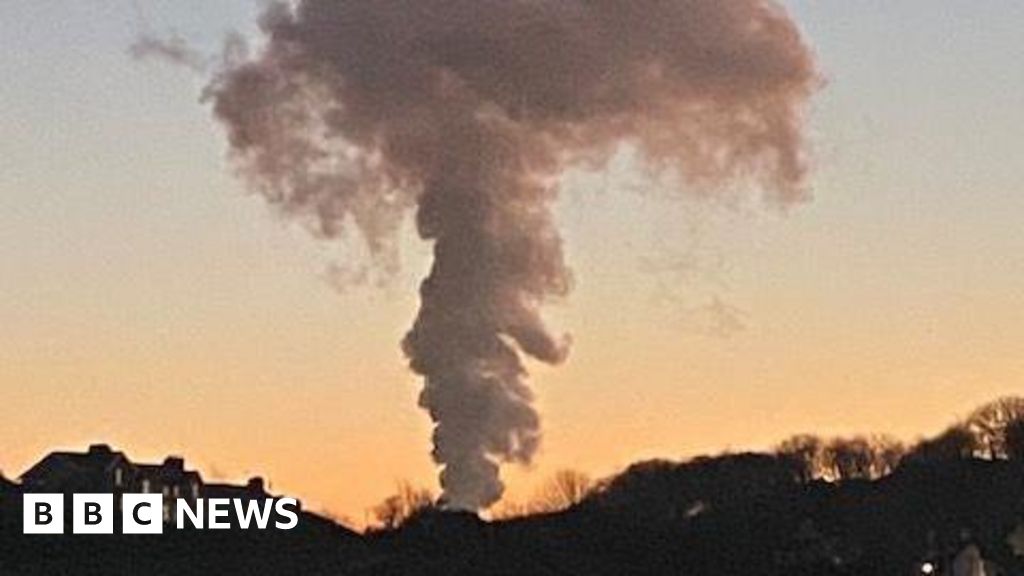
x=147 y=301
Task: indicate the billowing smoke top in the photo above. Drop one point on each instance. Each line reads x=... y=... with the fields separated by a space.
x=468 y=111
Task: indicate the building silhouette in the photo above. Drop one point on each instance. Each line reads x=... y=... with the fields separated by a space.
x=103 y=470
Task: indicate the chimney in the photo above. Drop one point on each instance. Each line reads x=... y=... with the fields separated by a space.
x=255 y=485
x=174 y=464
x=98 y=449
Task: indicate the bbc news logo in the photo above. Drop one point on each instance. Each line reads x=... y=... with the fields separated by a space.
x=144 y=514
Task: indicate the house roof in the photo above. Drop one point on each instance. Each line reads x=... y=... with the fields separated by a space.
x=77 y=467
x=61 y=470
x=7 y=486
x=165 y=473
x=254 y=489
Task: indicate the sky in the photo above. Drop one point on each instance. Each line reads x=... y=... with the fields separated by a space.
x=148 y=301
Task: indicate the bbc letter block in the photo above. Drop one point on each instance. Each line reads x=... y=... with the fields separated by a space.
x=93 y=514
x=44 y=514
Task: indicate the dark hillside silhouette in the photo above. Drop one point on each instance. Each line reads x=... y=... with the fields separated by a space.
x=815 y=507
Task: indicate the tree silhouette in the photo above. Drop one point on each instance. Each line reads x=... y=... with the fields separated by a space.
x=1015 y=440
x=861 y=458
x=989 y=425
x=407 y=502
x=564 y=490
x=509 y=509
x=956 y=443
x=887 y=453
x=849 y=459
x=807 y=453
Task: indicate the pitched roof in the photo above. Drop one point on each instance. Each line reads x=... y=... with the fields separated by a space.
x=100 y=460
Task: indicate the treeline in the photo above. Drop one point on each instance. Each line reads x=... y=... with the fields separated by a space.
x=565 y=489
x=994 y=431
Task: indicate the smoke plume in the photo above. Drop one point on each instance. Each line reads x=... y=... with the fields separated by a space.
x=172 y=49
x=353 y=112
